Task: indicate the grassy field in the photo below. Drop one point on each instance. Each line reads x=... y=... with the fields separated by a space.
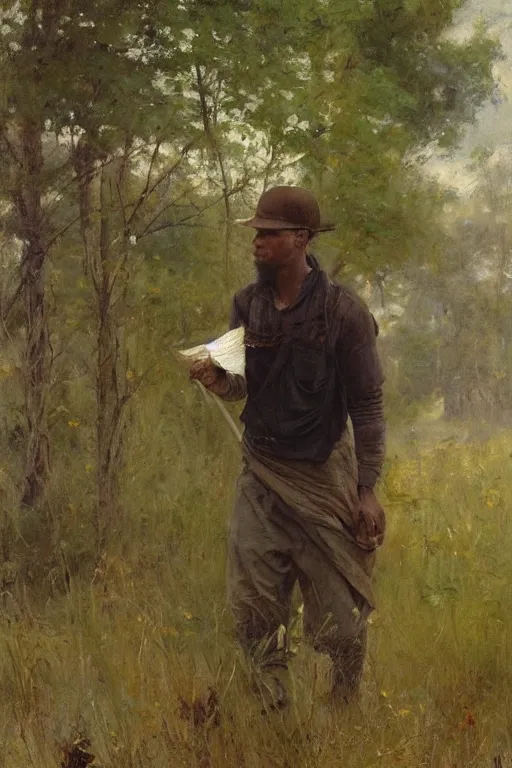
x=133 y=662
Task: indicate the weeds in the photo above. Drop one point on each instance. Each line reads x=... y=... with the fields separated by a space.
x=132 y=661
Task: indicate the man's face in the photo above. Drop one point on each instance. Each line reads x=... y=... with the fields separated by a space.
x=275 y=248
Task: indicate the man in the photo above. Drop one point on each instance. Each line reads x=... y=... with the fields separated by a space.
x=305 y=507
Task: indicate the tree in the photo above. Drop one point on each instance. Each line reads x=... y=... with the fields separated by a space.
x=162 y=111
x=454 y=338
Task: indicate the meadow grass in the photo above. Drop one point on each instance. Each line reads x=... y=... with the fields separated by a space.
x=135 y=653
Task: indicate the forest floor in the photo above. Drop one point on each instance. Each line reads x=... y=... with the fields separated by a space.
x=135 y=665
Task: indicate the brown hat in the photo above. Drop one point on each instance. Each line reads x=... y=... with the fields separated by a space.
x=287 y=208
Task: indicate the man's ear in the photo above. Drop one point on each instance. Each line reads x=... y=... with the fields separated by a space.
x=302 y=238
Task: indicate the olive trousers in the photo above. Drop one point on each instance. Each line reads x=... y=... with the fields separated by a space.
x=268 y=553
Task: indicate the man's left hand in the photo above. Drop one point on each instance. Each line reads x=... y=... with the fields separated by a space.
x=371 y=523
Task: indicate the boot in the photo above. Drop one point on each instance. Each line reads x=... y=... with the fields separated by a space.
x=347 y=669
x=271 y=686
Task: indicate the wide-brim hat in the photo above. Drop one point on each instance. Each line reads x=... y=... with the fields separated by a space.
x=287 y=208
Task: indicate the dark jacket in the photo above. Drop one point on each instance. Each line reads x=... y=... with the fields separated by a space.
x=308 y=367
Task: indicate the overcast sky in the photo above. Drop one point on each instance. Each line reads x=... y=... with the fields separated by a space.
x=493 y=127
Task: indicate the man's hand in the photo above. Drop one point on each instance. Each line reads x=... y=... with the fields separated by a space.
x=210 y=375
x=371 y=523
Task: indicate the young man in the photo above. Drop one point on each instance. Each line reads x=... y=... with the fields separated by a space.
x=305 y=507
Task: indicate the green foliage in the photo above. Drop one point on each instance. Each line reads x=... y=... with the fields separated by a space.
x=342 y=90
x=126 y=655
x=454 y=337
x=193 y=107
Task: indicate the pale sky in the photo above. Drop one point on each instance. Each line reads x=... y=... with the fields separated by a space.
x=493 y=127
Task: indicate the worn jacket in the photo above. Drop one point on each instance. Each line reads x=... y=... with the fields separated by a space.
x=354 y=345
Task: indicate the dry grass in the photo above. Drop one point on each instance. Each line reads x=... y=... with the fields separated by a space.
x=132 y=664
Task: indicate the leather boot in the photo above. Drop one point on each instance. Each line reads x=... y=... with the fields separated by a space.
x=347 y=668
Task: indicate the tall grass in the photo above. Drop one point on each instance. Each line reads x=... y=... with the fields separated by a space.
x=135 y=653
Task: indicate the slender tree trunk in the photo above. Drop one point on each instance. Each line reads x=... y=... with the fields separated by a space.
x=27 y=126
x=228 y=226
x=209 y=130
x=37 y=356
x=111 y=394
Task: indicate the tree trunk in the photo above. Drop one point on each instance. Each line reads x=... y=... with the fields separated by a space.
x=111 y=395
x=209 y=130
x=452 y=404
x=37 y=356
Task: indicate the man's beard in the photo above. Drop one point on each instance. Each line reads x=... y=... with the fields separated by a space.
x=266 y=273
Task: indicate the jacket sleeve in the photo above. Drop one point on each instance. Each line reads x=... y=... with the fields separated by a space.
x=237 y=388
x=363 y=377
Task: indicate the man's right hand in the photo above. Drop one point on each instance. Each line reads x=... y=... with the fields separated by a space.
x=371 y=521
x=210 y=375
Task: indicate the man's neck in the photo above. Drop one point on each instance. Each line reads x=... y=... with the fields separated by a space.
x=288 y=283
